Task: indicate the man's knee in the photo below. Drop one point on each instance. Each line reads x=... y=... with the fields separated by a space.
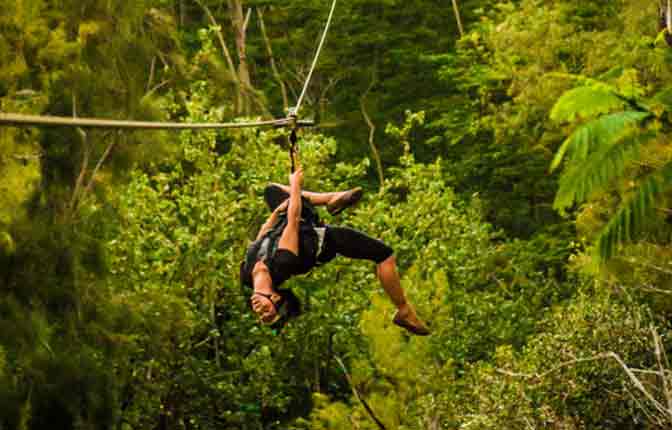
x=272 y=189
x=386 y=256
x=274 y=196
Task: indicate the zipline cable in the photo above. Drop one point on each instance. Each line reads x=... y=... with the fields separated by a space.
x=294 y=112
x=60 y=121
x=291 y=121
x=317 y=56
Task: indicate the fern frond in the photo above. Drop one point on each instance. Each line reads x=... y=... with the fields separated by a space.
x=585 y=102
x=586 y=81
x=579 y=181
x=630 y=219
x=613 y=73
x=663 y=98
x=595 y=134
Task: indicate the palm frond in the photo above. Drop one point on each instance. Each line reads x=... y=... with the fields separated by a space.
x=595 y=134
x=609 y=161
x=632 y=215
x=585 y=102
x=663 y=98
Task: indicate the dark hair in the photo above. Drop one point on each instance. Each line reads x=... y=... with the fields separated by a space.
x=289 y=307
x=245 y=275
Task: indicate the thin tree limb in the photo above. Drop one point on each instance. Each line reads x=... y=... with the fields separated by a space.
x=222 y=42
x=271 y=57
x=333 y=80
x=247 y=20
x=28 y=157
x=647 y=265
x=85 y=160
x=456 y=9
x=554 y=369
x=150 y=81
x=104 y=157
x=157 y=87
x=238 y=21
x=659 y=360
x=372 y=129
x=227 y=54
x=649 y=289
x=638 y=384
x=667 y=413
x=375 y=419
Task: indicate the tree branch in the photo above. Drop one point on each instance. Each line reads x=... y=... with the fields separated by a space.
x=150 y=81
x=271 y=57
x=632 y=260
x=666 y=413
x=220 y=37
x=457 y=18
x=659 y=360
x=106 y=154
x=372 y=129
x=375 y=419
x=247 y=20
x=85 y=161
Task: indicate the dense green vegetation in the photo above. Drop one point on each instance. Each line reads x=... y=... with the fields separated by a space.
x=521 y=171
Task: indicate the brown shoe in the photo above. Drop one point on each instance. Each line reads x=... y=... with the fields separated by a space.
x=411 y=322
x=344 y=201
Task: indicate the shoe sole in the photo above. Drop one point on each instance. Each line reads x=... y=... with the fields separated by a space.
x=354 y=198
x=418 y=331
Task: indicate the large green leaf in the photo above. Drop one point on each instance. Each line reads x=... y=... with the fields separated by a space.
x=585 y=102
x=594 y=134
x=580 y=180
x=632 y=215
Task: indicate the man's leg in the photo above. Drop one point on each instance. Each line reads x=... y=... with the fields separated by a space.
x=317 y=199
x=357 y=245
x=275 y=195
x=406 y=316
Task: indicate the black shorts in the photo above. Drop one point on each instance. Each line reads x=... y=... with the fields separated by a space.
x=343 y=241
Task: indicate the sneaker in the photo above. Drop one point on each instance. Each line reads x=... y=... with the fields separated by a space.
x=411 y=322
x=346 y=200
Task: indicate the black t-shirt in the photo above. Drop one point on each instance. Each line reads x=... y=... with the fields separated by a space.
x=283 y=264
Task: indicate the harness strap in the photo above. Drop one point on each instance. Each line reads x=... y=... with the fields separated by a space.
x=264 y=249
x=321 y=232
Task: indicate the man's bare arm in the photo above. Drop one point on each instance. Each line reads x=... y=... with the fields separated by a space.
x=294 y=211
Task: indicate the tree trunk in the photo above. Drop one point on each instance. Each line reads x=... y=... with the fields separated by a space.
x=240 y=27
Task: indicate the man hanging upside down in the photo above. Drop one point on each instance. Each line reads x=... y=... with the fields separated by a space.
x=293 y=241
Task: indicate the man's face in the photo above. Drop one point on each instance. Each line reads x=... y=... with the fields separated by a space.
x=263 y=306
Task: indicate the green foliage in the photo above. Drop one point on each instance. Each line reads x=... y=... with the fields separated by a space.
x=553 y=381
x=121 y=280
x=630 y=220
x=599 y=153
x=605 y=144
x=585 y=102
